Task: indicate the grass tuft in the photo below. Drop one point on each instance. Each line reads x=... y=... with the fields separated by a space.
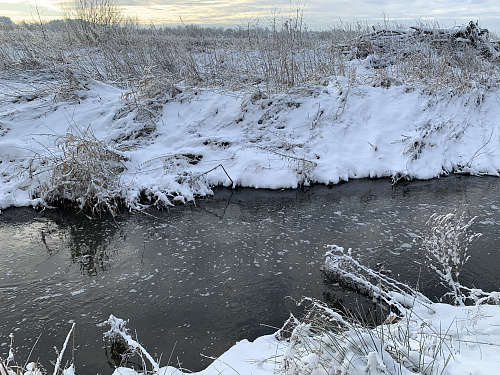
x=80 y=168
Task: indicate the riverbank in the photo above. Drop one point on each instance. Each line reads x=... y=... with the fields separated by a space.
x=203 y=138
x=440 y=339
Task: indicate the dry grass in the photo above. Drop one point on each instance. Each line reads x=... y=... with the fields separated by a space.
x=275 y=57
x=325 y=341
x=79 y=169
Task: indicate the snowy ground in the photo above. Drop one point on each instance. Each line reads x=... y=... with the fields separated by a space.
x=462 y=340
x=320 y=134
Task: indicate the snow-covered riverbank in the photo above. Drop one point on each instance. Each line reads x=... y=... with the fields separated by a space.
x=441 y=339
x=108 y=121
x=201 y=138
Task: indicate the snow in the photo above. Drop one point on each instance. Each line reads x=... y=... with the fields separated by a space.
x=259 y=357
x=468 y=336
x=207 y=137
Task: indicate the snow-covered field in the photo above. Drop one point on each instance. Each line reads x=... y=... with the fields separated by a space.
x=105 y=145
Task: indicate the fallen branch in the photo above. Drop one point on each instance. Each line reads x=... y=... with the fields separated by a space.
x=224 y=169
x=118 y=329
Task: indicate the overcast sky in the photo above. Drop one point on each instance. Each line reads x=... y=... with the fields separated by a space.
x=319 y=14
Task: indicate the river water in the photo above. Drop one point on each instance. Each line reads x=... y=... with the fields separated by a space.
x=195 y=279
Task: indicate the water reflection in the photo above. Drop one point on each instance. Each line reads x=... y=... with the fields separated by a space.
x=89 y=241
x=200 y=277
x=90 y=246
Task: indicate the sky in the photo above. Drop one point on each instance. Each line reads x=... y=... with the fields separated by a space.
x=318 y=14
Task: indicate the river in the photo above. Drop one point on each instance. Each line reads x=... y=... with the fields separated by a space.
x=195 y=279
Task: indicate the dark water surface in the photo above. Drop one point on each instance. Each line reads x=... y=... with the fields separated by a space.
x=196 y=279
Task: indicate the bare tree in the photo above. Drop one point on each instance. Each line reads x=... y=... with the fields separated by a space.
x=36 y=14
x=94 y=19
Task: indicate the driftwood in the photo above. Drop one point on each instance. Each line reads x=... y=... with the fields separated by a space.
x=384 y=42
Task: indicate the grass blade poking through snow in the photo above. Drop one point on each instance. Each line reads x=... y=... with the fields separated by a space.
x=59 y=357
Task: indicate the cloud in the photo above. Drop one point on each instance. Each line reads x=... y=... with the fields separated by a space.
x=320 y=12
x=26 y=9
x=200 y=11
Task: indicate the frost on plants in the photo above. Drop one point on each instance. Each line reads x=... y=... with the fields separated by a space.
x=340 y=265
x=418 y=336
x=326 y=342
x=123 y=346
x=79 y=168
x=446 y=246
x=10 y=366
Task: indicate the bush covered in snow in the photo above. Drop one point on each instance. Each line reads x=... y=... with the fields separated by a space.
x=79 y=169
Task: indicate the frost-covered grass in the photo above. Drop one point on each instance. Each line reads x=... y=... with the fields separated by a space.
x=80 y=169
x=425 y=339
x=274 y=56
x=11 y=365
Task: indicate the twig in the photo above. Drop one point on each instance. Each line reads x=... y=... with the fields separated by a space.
x=31 y=351
x=480 y=148
x=59 y=358
x=214 y=168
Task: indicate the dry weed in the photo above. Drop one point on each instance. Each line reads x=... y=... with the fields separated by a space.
x=79 y=169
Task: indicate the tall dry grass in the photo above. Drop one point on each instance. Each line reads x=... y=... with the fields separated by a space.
x=82 y=169
x=276 y=55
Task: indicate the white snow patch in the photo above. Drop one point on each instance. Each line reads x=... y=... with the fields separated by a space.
x=274 y=143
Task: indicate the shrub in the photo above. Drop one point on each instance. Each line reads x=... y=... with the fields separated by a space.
x=79 y=169
x=446 y=246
